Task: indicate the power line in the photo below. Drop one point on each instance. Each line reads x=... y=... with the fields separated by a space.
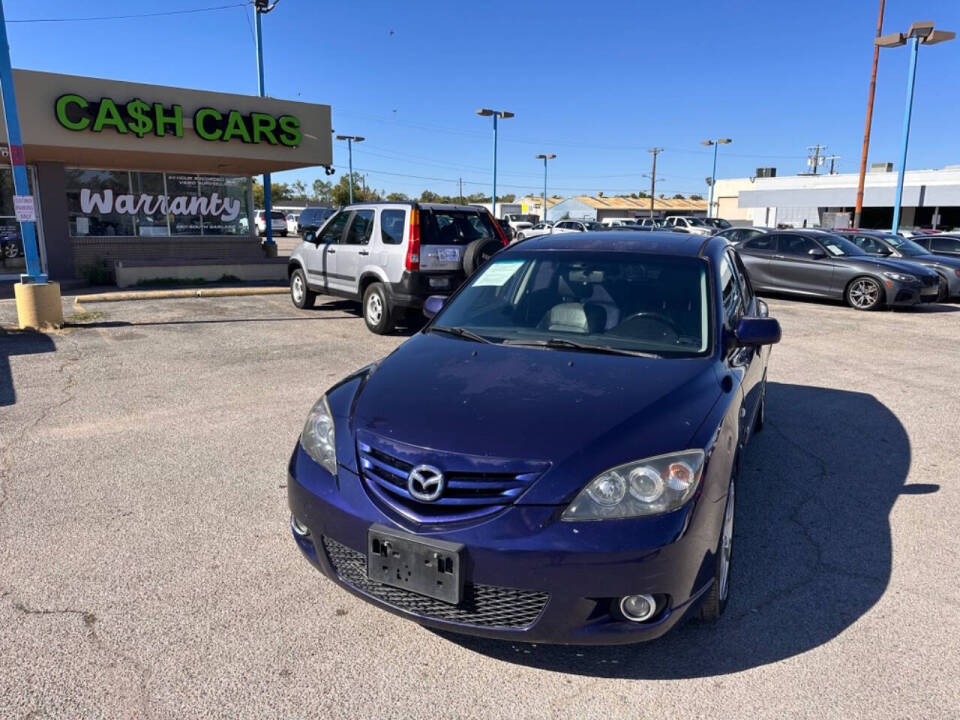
x=130 y=17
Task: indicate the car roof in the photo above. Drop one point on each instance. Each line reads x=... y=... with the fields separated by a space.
x=662 y=243
x=414 y=203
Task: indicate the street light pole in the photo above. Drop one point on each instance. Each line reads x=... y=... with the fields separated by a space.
x=351 y=139
x=262 y=7
x=919 y=32
x=866 y=131
x=713 y=176
x=545 y=157
x=497 y=114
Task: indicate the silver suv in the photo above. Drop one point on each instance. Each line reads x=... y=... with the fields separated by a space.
x=392 y=256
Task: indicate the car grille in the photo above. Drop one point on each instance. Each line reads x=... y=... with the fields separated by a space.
x=467 y=495
x=482 y=605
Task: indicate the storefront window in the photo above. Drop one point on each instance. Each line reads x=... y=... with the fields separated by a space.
x=12 y=260
x=105 y=202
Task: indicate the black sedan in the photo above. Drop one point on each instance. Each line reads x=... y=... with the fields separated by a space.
x=940 y=244
x=822 y=264
x=735 y=235
x=881 y=244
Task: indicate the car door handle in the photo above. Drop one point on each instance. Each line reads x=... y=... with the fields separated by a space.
x=331 y=250
x=363 y=252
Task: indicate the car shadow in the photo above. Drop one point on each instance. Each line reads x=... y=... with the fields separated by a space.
x=812 y=545
x=18 y=342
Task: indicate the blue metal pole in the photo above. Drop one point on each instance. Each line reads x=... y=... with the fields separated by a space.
x=350 y=162
x=713 y=179
x=268 y=222
x=911 y=76
x=28 y=235
x=493 y=199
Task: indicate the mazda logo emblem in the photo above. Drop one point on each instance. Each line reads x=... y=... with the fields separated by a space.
x=425 y=483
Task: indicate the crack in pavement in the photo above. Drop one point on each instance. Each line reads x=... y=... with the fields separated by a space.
x=90 y=621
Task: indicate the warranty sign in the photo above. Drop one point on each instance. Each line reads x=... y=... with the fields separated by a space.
x=24 y=208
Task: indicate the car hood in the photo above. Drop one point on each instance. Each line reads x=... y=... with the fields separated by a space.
x=941 y=260
x=575 y=413
x=886 y=264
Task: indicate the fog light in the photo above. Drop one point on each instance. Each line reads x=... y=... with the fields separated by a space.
x=298 y=527
x=638 y=608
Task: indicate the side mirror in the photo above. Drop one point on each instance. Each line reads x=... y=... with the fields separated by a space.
x=753 y=331
x=816 y=254
x=884 y=251
x=432 y=305
x=310 y=236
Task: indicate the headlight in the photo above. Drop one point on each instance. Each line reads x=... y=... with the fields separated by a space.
x=900 y=277
x=317 y=437
x=644 y=487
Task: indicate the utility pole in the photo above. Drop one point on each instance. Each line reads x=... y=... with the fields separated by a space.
x=545 y=157
x=461 y=191
x=262 y=7
x=814 y=159
x=866 y=131
x=653 y=177
x=833 y=159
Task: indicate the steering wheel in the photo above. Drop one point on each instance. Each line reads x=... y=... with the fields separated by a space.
x=654 y=317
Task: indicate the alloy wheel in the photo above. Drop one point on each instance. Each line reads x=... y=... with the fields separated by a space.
x=10 y=250
x=726 y=545
x=864 y=294
x=374 y=309
x=297 y=289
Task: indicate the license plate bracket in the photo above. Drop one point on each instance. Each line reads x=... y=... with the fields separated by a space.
x=426 y=567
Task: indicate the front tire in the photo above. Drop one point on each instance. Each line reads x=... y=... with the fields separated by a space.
x=943 y=290
x=717 y=596
x=377 y=312
x=864 y=293
x=300 y=294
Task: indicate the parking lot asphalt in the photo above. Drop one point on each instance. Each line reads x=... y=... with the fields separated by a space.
x=146 y=568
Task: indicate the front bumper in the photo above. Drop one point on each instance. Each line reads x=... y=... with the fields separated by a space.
x=904 y=295
x=527 y=576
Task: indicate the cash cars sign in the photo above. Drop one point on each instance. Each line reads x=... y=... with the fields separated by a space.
x=140 y=119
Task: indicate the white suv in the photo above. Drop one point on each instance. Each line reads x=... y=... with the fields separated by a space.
x=691 y=225
x=392 y=256
x=278 y=223
x=567 y=226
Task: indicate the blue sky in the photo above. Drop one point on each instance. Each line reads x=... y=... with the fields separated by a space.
x=595 y=84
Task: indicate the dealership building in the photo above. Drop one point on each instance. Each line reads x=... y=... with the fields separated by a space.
x=931 y=198
x=125 y=174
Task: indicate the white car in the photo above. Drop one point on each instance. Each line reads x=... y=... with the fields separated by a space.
x=618 y=222
x=292 y=219
x=278 y=222
x=568 y=226
x=542 y=228
x=691 y=225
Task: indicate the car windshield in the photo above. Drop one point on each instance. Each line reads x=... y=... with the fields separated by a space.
x=719 y=223
x=907 y=247
x=839 y=246
x=696 y=221
x=609 y=302
x=590 y=225
x=278 y=216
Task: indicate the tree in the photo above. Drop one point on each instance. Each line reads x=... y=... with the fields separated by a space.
x=257 y=194
x=340 y=194
x=428 y=196
x=679 y=196
x=397 y=197
x=696 y=197
x=299 y=189
x=322 y=191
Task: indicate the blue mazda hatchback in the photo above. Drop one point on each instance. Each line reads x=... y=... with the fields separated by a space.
x=553 y=458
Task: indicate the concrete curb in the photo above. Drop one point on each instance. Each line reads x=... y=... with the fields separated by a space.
x=178 y=293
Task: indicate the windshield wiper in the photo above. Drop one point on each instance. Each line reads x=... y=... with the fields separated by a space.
x=461 y=332
x=565 y=344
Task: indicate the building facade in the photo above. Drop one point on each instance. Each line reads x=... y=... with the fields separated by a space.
x=128 y=172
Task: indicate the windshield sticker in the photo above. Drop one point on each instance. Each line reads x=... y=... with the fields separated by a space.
x=498 y=274
x=834 y=249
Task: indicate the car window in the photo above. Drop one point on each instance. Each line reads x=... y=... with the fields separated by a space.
x=455 y=227
x=744 y=278
x=869 y=245
x=361 y=227
x=333 y=230
x=655 y=304
x=733 y=306
x=761 y=243
x=278 y=216
x=943 y=244
x=796 y=245
x=391 y=226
